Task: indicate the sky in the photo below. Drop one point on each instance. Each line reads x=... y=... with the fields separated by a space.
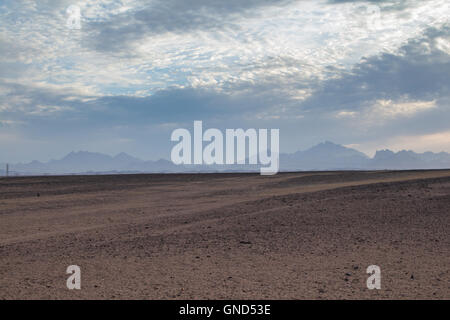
x=365 y=74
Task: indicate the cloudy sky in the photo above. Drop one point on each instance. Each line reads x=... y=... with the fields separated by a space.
x=366 y=74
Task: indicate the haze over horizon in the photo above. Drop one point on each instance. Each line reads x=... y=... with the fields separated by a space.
x=122 y=153
x=369 y=75
x=325 y=156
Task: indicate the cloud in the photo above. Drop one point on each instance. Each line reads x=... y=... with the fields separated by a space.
x=418 y=70
x=171 y=16
x=390 y=109
x=346 y=114
x=317 y=70
x=434 y=142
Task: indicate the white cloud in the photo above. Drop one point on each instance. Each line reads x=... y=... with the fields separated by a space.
x=390 y=109
x=428 y=142
x=46 y=110
x=346 y=114
x=10 y=123
x=443 y=44
x=435 y=142
x=291 y=44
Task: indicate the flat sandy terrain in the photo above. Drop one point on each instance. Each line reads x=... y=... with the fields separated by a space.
x=227 y=236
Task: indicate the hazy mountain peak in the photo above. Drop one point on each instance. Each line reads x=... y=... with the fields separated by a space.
x=327 y=144
x=125 y=157
x=333 y=149
x=84 y=155
x=383 y=153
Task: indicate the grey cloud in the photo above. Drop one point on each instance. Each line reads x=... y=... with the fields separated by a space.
x=398 y=6
x=169 y=105
x=420 y=71
x=177 y=16
x=182 y=105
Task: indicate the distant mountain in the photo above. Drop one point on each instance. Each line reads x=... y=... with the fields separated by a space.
x=331 y=156
x=92 y=162
x=386 y=159
x=324 y=156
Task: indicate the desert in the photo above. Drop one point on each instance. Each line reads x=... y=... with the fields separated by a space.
x=302 y=235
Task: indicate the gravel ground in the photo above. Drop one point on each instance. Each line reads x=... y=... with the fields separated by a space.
x=307 y=235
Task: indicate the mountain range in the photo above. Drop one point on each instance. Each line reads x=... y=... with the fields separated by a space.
x=324 y=156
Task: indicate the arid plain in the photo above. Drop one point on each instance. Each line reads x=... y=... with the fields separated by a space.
x=306 y=235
